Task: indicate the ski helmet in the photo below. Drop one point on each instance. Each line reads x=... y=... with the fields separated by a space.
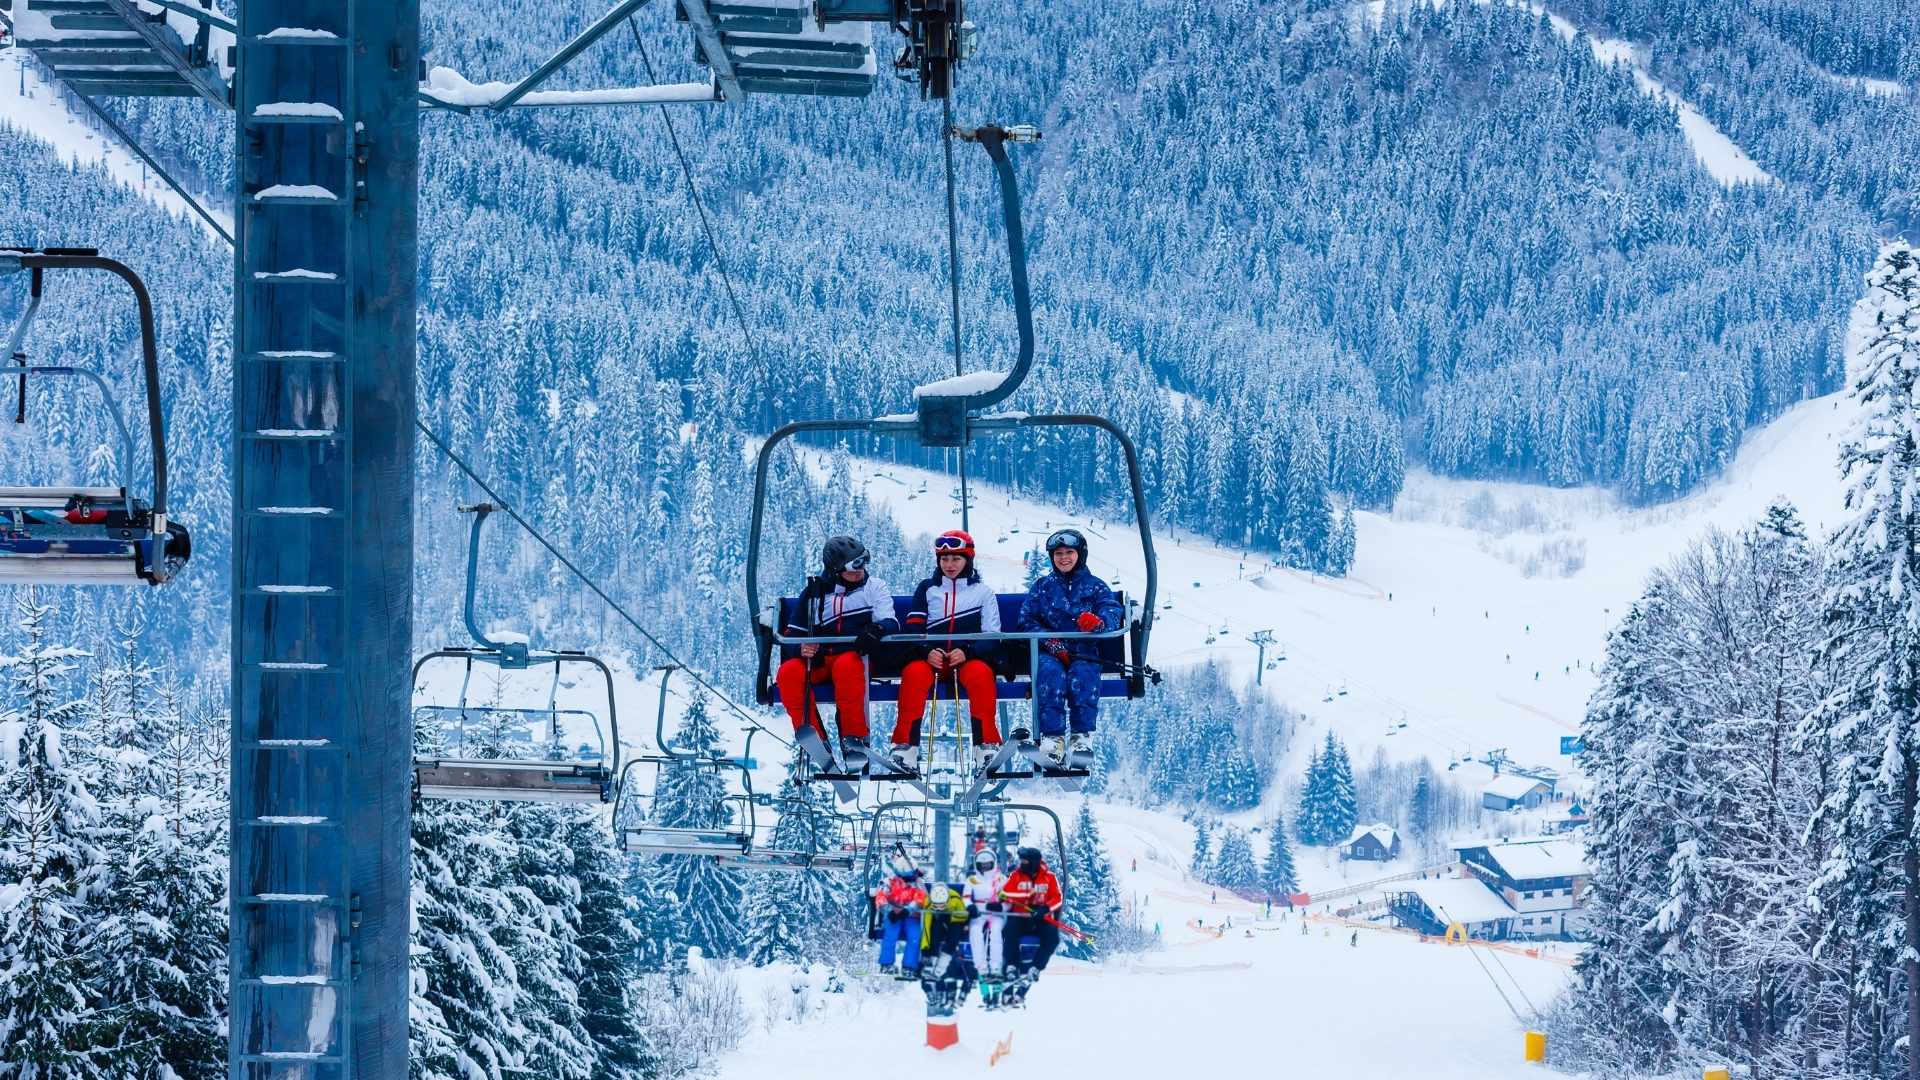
x=843 y=553
x=1029 y=859
x=901 y=864
x=1068 y=538
x=983 y=859
x=939 y=894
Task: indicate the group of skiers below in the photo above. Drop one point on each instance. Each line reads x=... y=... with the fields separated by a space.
x=922 y=928
x=847 y=600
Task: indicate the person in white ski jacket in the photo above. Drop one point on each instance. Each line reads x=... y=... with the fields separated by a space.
x=988 y=911
x=953 y=601
x=844 y=601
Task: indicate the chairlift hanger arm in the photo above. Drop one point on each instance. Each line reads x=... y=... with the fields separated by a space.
x=907 y=428
x=85 y=259
x=113 y=413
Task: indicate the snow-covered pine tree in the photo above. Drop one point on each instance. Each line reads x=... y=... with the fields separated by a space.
x=1092 y=900
x=1277 y=875
x=1420 y=811
x=1869 y=888
x=1622 y=988
x=611 y=1012
x=1341 y=811
x=771 y=934
x=1234 y=867
x=816 y=900
x=656 y=915
x=692 y=795
x=1202 y=863
x=543 y=939
x=466 y=994
x=48 y=860
x=1310 y=824
x=156 y=939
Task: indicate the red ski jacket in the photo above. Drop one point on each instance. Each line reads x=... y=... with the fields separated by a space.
x=1024 y=890
x=899 y=891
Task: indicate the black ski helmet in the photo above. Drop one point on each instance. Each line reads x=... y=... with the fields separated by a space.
x=1029 y=859
x=843 y=553
x=1071 y=539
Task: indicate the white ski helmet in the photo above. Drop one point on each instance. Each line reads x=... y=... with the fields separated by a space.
x=983 y=859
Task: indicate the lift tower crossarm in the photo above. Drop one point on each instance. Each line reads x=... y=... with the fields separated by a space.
x=708 y=34
x=573 y=48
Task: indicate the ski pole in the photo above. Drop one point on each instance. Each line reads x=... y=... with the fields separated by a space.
x=1071 y=931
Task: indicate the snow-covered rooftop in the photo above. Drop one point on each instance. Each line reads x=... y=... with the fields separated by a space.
x=1461 y=900
x=1541 y=859
x=1509 y=786
x=1381 y=832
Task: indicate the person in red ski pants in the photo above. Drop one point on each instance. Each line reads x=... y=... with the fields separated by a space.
x=953 y=601
x=845 y=600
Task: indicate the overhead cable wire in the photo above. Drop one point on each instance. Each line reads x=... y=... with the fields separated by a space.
x=140 y=152
x=699 y=207
x=507 y=508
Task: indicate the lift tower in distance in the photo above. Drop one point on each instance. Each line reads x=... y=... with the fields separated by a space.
x=324 y=96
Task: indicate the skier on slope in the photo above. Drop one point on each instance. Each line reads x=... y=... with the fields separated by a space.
x=1069 y=599
x=1033 y=895
x=845 y=600
x=989 y=920
x=898 y=905
x=953 y=601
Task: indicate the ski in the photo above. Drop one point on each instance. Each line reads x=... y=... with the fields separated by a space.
x=824 y=766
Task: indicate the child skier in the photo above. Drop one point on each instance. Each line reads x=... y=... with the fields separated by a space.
x=898 y=905
x=1069 y=599
x=989 y=919
x=1033 y=895
x=943 y=975
x=953 y=601
x=844 y=600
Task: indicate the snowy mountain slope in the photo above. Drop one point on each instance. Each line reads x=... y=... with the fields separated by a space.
x=1208 y=1004
x=30 y=104
x=1439 y=625
x=1719 y=155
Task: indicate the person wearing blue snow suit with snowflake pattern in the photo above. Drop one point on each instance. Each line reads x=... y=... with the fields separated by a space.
x=1066 y=684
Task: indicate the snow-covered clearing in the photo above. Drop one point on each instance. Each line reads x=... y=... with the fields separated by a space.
x=1213 y=1002
x=29 y=104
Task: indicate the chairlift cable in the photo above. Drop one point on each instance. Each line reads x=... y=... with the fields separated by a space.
x=590 y=583
x=699 y=207
x=140 y=152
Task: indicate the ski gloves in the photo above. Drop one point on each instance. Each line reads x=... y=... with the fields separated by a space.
x=1089 y=623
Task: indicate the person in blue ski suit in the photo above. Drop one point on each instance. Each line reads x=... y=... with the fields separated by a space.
x=1068 y=599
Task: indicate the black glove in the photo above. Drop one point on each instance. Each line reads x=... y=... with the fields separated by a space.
x=870 y=637
x=1041 y=911
x=995 y=905
x=973 y=911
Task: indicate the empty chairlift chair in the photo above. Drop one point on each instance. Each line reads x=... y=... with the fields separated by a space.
x=87 y=535
x=507 y=750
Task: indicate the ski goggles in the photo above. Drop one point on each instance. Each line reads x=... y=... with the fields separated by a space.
x=949 y=543
x=858 y=562
x=1065 y=540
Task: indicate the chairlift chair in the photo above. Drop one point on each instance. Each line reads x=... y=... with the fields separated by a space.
x=951 y=414
x=89 y=535
x=514 y=753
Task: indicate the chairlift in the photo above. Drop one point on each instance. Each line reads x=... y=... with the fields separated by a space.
x=739 y=840
x=84 y=535
x=951 y=414
x=512 y=753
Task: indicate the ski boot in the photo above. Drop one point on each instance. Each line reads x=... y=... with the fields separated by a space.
x=907 y=756
x=1080 y=749
x=854 y=753
x=989 y=993
x=1054 y=749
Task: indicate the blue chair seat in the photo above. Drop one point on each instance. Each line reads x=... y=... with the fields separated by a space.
x=1013 y=667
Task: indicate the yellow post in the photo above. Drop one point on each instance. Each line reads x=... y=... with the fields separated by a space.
x=1714 y=1074
x=1537 y=1046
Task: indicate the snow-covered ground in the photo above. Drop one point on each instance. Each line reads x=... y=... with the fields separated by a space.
x=29 y=104
x=1213 y=1002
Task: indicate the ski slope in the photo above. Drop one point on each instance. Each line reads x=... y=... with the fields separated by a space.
x=30 y=104
x=1260 y=999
